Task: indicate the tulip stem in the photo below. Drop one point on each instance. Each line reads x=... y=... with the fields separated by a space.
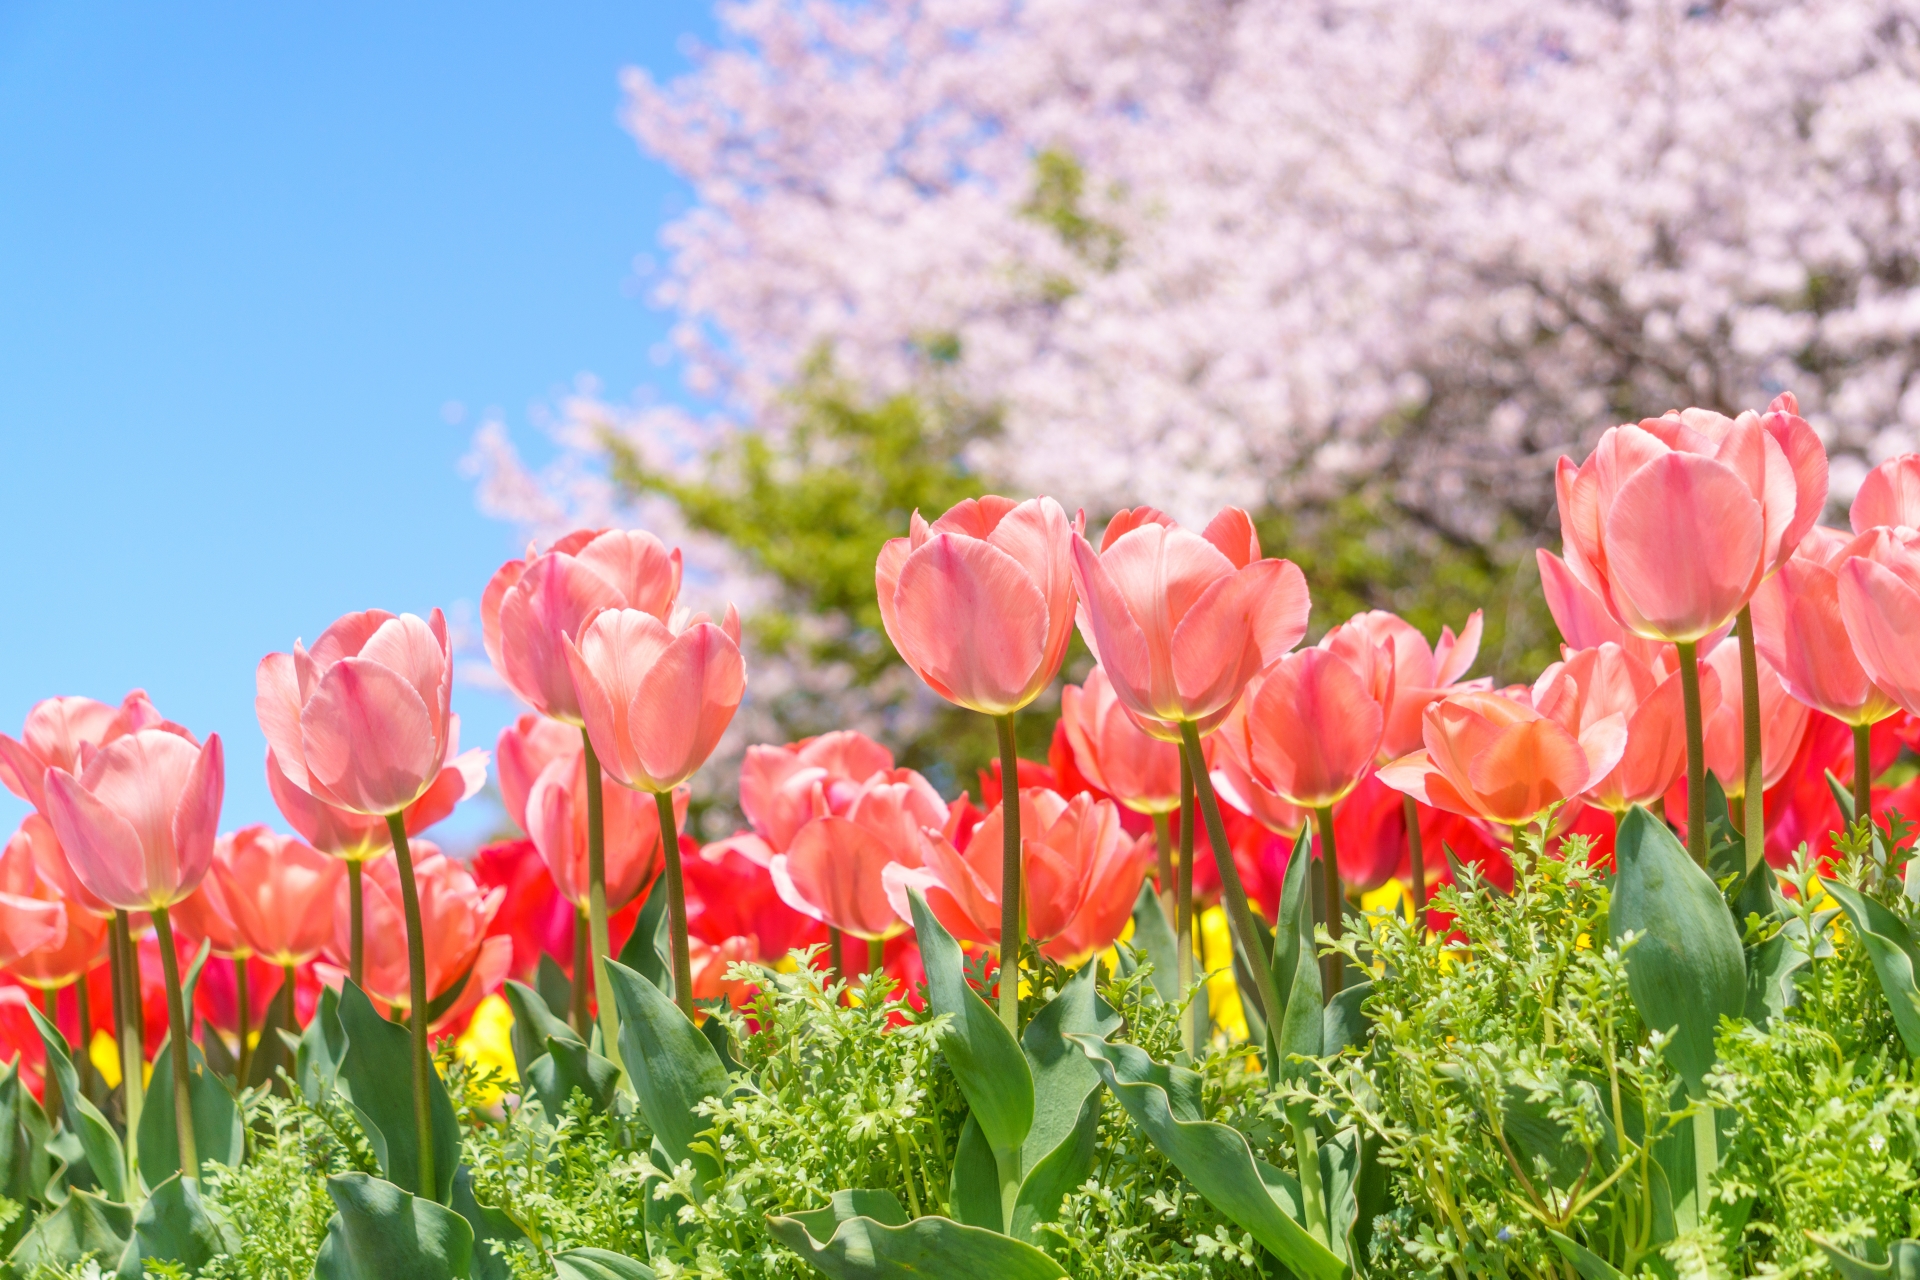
x=133 y=1082
x=676 y=905
x=1696 y=752
x=1333 y=965
x=1416 y=861
x=1863 y=773
x=84 y=1064
x=417 y=1020
x=876 y=961
x=582 y=1017
x=1191 y=1032
x=836 y=955
x=289 y=995
x=356 y=924
x=1011 y=890
x=1163 y=848
x=1755 y=827
x=50 y=1004
x=1239 y=914
x=597 y=904
x=182 y=1060
x=243 y=999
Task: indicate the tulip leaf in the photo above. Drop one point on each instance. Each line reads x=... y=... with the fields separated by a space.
x=381 y=1232
x=218 y=1135
x=568 y=1065
x=1046 y=1182
x=488 y=1224
x=598 y=1264
x=674 y=1068
x=438 y=1006
x=1686 y=969
x=84 y=1226
x=1770 y=969
x=24 y=1166
x=316 y=1062
x=1589 y=1265
x=376 y=1073
x=1153 y=938
x=1345 y=1024
x=533 y=1025
x=556 y=990
x=844 y=1243
x=270 y=1053
x=1262 y=1200
x=1062 y=1076
x=106 y=1158
x=1902 y=1261
x=645 y=951
x=1896 y=958
x=1301 y=1021
x=973 y=1194
x=172 y=1226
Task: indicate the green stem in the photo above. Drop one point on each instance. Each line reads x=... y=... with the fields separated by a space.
x=84 y=1064
x=182 y=1061
x=579 y=1006
x=1191 y=1032
x=1239 y=914
x=356 y=924
x=676 y=906
x=50 y=1005
x=417 y=996
x=1863 y=772
x=133 y=1056
x=1755 y=827
x=290 y=1010
x=1306 y=1156
x=876 y=968
x=1332 y=966
x=597 y=902
x=1696 y=752
x=1012 y=932
x=244 y=999
x=1706 y=1159
x=836 y=954
x=1163 y=850
x=1417 y=860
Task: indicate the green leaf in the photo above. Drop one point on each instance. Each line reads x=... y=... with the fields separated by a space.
x=568 y=1065
x=1153 y=938
x=1301 y=1022
x=1687 y=970
x=1165 y=1102
x=1589 y=1265
x=438 y=1006
x=863 y=1247
x=488 y=1224
x=1895 y=958
x=219 y=1057
x=1340 y=1172
x=555 y=988
x=973 y=1194
x=673 y=1067
x=84 y=1226
x=270 y=1054
x=316 y=1063
x=1903 y=1261
x=1046 y=1182
x=598 y=1264
x=172 y=1226
x=1345 y=1025
x=218 y=1135
x=24 y=1166
x=383 y=1233
x=376 y=1074
x=106 y=1158
x=1058 y=1149
x=646 y=947
x=1770 y=969
x=533 y=1025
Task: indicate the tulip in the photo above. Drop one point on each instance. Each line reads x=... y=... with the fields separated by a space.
x=358 y=837
x=278 y=895
x=711 y=961
x=1608 y=681
x=46 y=941
x=1181 y=622
x=363 y=722
x=1889 y=497
x=59 y=729
x=32 y=919
x=1121 y=759
x=1879 y=589
x=980 y=603
x=656 y=697
x=1785 y=717
x=731 y=893
x=1082 y=873
x=524 y=748
x=1494 y=755
x=777 y=784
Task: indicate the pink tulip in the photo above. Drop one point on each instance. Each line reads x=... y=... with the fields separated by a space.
x=1115 y=754
x=1082 y=873
x=277 y=894
x=524 y=748
x=710 y=965
x=356 y=837
x=454 y=915
x=1608 y=681
x=56 y=732
x=138 y=823
x=1308 y=729
x=534 y=606
x=777 y=784
x=362 y=722
x=1181 y=621
x=657 y=697
x=1724 y=736
x=1889 y=496
x=1245 y=793
x=56 y=869
x=1673 y=523
x=980 y=602
x=1880 y=607
x=1798 y=629
x=834 y=867
x=556 y=817
x=1493 y=755
x=1401 y=670
x=1584 y=620
x=32 y=918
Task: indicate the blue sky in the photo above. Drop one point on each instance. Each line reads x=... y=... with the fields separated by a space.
x=262 y=270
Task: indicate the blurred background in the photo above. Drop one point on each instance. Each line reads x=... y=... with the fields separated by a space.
x=319 y=310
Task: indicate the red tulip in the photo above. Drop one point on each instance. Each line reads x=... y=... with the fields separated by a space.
x=362 y=722
x=59 y=729
x=980 y=602
x=556 y=819
x=533 y=916
x=656 y=697
x=1889 y=496
x=1115 y=754
x=1798 y=629
x=534 y=606
x=1673 y=523
x=730 y=893
x=1081 y=870
x=1492 y=755
x=1402 y=671
x=833 y=869
x=1608 y=681
x=1879 y=589
x=777 y=784
x=277 y=894
x=523 y=749
x=32 y=919
x=138 y=823
x=1308 y=729
x=1181 y=621
x=710 y=964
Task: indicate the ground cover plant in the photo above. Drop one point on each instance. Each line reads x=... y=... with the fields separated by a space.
x=1316 y=961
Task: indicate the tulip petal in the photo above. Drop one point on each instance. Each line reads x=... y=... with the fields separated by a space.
x=1313 y=728
x=684 y=703
x=833 y=873
x=276 y=702
x=972 y=623
x=1233 y=533
x=504 y=579
x=1684 y=537
x=196 y=818
x=1882 y=615
x=27 y=925
x=639 y=568
x=368 y=738
x=102 y=847
x=1115 y=636
x=1526 y=768
x=1890 y=495
x=1236 y=627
